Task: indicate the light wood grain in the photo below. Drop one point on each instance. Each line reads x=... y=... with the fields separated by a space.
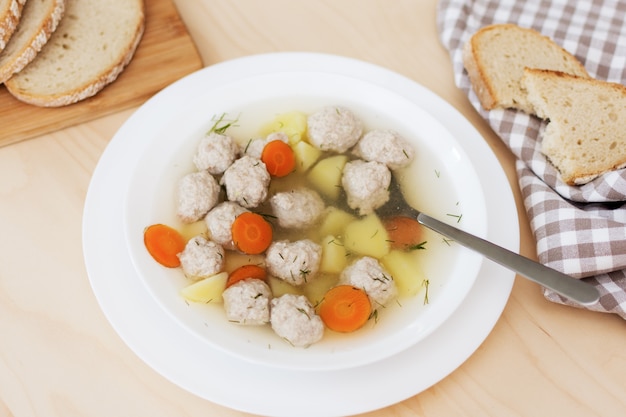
x=59 y=357
x=165 y=54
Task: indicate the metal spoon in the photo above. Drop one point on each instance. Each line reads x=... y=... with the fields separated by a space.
x=571 y=288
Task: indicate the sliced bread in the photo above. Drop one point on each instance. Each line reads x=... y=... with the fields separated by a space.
x=92 y=45
x=495 y=58
x=39 y=20
x=10 y=13
x=586 y=133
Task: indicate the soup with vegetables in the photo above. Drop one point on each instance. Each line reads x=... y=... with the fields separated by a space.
x=281 y=229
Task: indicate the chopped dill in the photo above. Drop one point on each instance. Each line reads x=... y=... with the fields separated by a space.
x=301 y=310
x=457 y=216
x=418 y=246
x=269 y=216
x=374 y=315
x=383 y=278
x=221 y=124
x=247 y=145
x=305 y=273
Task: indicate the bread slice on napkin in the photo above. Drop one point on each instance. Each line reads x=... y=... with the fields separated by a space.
x=495 y=58
x=39 y=20
x=586 y=133
x=10 y=13
x=92 y=45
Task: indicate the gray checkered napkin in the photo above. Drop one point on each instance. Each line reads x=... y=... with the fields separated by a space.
x=580 y=230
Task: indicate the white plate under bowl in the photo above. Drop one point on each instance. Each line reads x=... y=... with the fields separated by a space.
x=184 y=359
x=441 y=181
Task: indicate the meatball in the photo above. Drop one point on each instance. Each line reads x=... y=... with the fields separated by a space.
x=368 y=274
x=255 y=147
x=298 y=208
x=215 y=153
x=248 y=302
x=366 y=185
x=198 y=193
x=246 y=181
x=334 y=128
x=294 y=319
x=219 y=222
x=387 y=147
x=201 y=258
x=294 y=262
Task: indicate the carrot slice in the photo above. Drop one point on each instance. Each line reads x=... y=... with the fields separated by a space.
x=164 y=243
x=245 y=272
x=252 y=234
x=405 y=233
x=345 y=308
x=279 y=158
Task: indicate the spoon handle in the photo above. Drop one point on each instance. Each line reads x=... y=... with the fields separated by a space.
x=573 y=289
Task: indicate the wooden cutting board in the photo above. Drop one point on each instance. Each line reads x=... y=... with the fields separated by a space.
x=165 y=54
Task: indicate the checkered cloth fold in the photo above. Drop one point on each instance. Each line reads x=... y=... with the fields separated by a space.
x=580 y=230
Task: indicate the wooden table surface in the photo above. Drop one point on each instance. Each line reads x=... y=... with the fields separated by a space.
x=60 y=357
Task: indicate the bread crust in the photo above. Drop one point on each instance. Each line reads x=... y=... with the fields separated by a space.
x=9 y=18
x=96 y=83
x=476 y=70
x=34 y=39
x=481 y=62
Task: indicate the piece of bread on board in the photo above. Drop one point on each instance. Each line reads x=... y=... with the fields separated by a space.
x=39 y=20
x=495 y=58
x=92 y=45
x=586 y=133
x=10 y=13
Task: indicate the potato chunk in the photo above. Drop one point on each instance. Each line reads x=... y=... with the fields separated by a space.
x=335 y=221
x=367 y=236
x=334 y=255
x=326 y=175
x=207 y=290
x=293 y=124
x=306 y=155
x=281 y=287
x=406 y=270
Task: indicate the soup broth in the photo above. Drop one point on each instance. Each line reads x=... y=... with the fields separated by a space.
x=424 y=183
